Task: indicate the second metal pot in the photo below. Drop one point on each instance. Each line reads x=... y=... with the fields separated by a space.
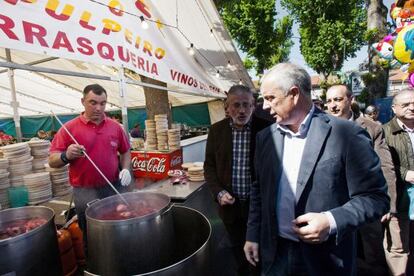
x=129 y=246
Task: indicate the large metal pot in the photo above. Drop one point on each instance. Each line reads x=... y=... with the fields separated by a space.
x=129 y=246
x=190 y=255
x=35 y=252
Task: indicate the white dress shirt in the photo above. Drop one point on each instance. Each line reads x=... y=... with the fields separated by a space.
x=294 y=145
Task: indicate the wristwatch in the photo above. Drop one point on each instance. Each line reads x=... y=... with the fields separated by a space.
x=64 y=158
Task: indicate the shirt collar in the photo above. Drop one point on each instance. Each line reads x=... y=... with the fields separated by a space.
x=245 y=127
x=404 y=127
x=353 y=117
x=303 y=128
x=86 y=121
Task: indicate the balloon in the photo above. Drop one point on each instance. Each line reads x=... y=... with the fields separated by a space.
x=411 y=79
x=383 y=49
x=404 y=45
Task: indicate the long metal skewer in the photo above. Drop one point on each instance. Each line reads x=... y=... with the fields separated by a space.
x=90 y=160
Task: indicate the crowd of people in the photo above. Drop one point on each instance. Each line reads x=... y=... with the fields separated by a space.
x=301 y=189
x=313 y=191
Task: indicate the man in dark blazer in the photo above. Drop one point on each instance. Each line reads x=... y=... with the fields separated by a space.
x=317 y=180
x=228 y=166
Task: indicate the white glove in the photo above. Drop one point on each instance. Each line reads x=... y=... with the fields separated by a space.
x=125 y=177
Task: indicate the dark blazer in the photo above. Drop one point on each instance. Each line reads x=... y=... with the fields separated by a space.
x=339 y=172
x=219 y=154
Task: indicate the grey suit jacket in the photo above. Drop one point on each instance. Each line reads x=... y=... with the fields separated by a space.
x=339 y=172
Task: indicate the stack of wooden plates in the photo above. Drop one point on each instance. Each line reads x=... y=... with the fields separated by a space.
x=4 y=164
x=174 y=138
x=196 y=174
x=161 y=125
x=39 y=187
x=4 y=174
x=4 y=183
x=162 y=139
x=4 y=199
x=150 y=135
x=187 y=165
x=16 y=152
x=20 y=162
x=40 y=152
x=60 y=180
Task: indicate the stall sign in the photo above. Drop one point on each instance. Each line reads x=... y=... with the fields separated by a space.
x=105 y=32
x=155 y=165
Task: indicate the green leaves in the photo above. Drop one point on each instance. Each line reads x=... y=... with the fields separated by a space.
x=253 y=25
x=330 y=30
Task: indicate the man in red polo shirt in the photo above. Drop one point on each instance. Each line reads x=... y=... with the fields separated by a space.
x=102 y=139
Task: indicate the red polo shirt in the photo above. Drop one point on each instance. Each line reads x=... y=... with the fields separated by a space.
x=102 y=143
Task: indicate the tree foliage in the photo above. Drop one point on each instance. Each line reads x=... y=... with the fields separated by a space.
x=330 y=30
x=253 y=24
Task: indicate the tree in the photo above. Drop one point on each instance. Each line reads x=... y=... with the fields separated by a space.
x=376 y=81
x=253 y=24
x=330 y=31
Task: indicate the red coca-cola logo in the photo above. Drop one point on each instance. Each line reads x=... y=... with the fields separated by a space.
x=154 y=164
x=176 y=160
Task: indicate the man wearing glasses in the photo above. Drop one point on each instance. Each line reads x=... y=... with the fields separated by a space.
x=399 y=234
x=229 y=167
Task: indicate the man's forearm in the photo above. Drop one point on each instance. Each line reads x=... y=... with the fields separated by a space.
x=125 y=160
x=55 y=161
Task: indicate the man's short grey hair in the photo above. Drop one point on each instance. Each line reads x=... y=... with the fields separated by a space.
x=235 y=89
x=400 y=94
x=286 y=75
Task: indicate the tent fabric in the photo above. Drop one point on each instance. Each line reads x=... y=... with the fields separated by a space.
x=216 y=110
x=41 y=93
x=192 y=115
x=7 y=125
x=195 y=115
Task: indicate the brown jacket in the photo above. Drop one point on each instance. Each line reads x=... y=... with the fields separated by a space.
x=219 y=154
x=402 y=154
x=376 y=133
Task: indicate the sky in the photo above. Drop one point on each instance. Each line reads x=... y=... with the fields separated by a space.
x=297 y=58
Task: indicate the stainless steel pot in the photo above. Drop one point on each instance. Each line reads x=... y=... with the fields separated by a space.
x=35 y=252
x=129 y=246
x=190 y=255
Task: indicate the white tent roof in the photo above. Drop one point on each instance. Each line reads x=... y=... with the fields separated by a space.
x=39 y=93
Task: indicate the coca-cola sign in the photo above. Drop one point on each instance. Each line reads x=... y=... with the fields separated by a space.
x=154 y=164
x=176 y=160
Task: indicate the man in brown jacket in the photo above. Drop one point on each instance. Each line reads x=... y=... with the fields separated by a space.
x=399 y=135
x=228 y=166
x=371 y=256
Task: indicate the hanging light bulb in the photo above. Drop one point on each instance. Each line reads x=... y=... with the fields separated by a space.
x=211 y=33
x=217 y=74
x=228 y=64
x=240 y=82
x=191 y=49
x=144 y=24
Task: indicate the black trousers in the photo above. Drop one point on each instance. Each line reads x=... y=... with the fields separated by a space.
x=235 y=221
